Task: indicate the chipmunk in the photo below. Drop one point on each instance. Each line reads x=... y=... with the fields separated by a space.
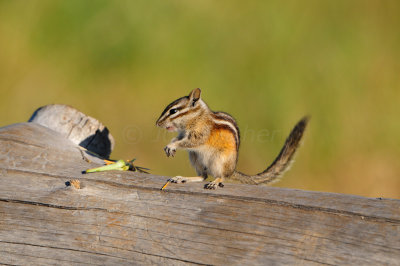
x=212 y=140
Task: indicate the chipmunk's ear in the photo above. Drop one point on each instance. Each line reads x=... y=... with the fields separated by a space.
x=194 y=96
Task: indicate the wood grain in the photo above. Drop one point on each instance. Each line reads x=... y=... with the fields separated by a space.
x=122 y=218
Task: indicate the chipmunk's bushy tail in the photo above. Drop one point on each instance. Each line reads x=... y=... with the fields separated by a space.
x=281 y=163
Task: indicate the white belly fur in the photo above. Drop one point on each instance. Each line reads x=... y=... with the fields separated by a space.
x=211 y=159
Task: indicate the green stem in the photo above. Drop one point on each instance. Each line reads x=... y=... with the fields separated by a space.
x=119 y=165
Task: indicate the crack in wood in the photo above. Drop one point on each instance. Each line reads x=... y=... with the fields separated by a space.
x=152 y=240
x=37 y=257
x=104 y=254
x=53 y=205
x=12 y=140
x=61 y=248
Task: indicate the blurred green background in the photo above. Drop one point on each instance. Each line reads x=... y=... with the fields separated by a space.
x=267 y=63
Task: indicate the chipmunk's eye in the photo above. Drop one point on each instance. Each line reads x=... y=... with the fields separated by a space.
x=173 y=111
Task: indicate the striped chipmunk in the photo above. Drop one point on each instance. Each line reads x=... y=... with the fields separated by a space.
x=212 y=140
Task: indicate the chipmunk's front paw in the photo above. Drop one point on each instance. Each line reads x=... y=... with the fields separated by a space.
x=213 y=185
x=177 y=179
x=170 y=150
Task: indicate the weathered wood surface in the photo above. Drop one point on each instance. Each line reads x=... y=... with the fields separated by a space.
x=122 y=218
x=76 y=126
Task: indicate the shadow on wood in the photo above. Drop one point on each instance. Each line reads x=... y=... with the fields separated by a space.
x=122 y=218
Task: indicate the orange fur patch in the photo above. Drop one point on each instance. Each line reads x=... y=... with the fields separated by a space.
x=222 y=140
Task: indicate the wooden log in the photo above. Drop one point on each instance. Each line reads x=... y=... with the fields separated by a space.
x=81 y=129
x=122 y=218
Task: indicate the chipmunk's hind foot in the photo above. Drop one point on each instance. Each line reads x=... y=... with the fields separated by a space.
x=177 y=179
x=214 y=184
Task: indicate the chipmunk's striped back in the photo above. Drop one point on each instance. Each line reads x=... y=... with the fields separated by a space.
x=224 y=120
